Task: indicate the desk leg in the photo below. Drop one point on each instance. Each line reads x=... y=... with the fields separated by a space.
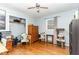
x=52 y=39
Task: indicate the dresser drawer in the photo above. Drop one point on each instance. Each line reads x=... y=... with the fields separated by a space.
x=9 y=45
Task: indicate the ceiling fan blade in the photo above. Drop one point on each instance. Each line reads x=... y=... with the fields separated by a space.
x=31 y=7
x=44 y=7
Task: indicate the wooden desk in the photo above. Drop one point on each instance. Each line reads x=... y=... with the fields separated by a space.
x=47 y=35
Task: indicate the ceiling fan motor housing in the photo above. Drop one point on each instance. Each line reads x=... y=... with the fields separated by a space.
x=37 y=5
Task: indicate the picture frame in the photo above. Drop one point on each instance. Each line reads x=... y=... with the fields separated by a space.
x=51 y=24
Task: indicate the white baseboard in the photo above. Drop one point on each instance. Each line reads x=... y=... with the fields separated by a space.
x=67 y=44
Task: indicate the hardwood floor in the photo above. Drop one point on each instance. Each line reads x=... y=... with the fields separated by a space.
x=38 y=48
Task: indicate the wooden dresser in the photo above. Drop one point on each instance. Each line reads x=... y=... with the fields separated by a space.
x=33 y=31
x=9 y=44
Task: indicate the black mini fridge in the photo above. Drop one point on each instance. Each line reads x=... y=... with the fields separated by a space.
x=74 y=37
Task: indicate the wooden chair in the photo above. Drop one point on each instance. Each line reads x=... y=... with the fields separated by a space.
x=29 y=39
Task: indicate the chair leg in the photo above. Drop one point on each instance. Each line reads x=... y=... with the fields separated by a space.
x=30 y=42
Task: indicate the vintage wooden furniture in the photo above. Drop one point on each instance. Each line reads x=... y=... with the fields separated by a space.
x=33 y=31
x=47 y=35
x=60 y=37
x=9 y=44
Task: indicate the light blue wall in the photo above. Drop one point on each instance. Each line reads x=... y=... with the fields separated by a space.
x=16 y=28
x=30 y=21
x=63 y=22
x=42 y=25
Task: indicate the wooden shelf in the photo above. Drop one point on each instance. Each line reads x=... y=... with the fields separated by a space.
x=61 y=29
x=60 y=37
x=17 y=22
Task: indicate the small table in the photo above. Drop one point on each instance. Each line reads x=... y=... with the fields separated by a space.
x=50 y=36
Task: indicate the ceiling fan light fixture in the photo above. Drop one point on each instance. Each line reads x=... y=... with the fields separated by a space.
x=38 y=11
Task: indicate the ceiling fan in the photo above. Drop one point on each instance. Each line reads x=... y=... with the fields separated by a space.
x=37 y=6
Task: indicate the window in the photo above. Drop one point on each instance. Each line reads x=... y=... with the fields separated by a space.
x=2 y=20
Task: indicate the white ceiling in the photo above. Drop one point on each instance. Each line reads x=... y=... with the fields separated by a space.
x=52 y=8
